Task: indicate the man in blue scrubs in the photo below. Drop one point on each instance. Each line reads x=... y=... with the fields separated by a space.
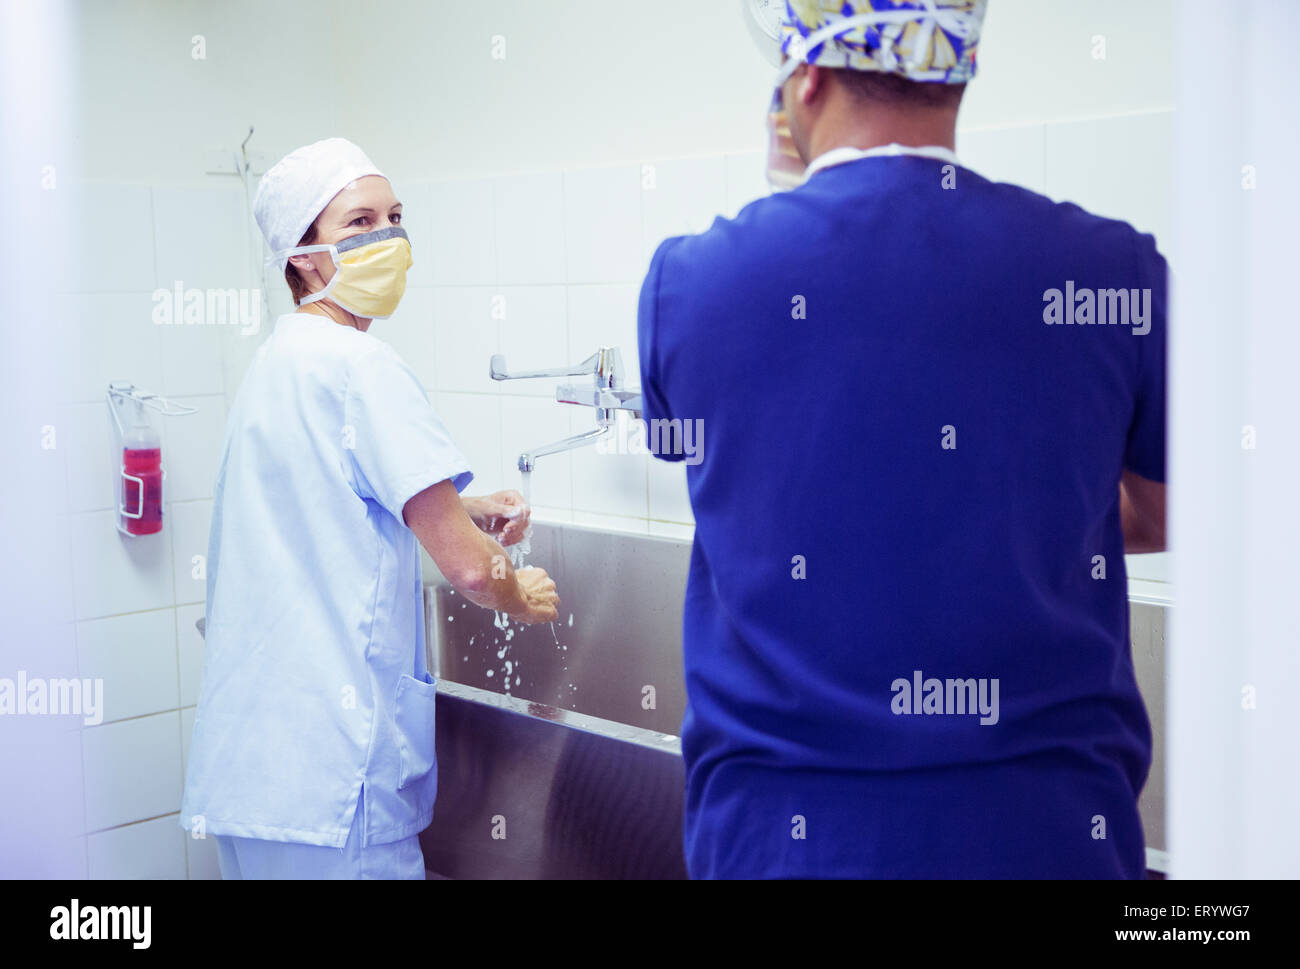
x=930 y=419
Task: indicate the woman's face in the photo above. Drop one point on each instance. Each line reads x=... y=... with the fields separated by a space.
x=364 y=205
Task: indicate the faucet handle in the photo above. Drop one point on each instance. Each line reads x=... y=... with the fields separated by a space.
x=498 y=371
x=601 y=398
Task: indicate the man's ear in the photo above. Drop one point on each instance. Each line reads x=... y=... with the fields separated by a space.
x=810 y=82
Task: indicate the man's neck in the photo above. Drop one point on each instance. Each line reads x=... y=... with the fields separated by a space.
x=884 y=128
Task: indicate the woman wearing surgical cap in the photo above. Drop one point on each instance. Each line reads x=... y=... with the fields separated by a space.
x=313 y=746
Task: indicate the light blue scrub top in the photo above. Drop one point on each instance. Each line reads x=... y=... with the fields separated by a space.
x=314 y=677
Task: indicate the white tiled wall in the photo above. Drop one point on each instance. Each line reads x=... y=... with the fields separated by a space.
x=1017 y=155
x=545 y=268
x=602 y=225
x=134 y=601
x=542 y=267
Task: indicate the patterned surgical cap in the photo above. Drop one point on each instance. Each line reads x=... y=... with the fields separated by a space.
x=923 y=40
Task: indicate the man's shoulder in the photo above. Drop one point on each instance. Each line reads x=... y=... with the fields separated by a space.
x=762 y=237
x=1068 y=221
x=731 y=244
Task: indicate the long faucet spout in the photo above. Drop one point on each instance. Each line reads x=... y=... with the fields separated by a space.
x=528 y=460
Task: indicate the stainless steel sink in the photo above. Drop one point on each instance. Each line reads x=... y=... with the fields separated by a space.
x=527 y=790
x=560 y=748
x=616 y=652
x=557 y=747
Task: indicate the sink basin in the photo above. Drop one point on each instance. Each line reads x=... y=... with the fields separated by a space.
x=615 y=653
x=557 y=754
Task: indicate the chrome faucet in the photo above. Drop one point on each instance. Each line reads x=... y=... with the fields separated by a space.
x=606 y=395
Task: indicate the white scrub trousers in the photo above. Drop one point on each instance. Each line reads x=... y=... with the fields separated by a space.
x=255 y=858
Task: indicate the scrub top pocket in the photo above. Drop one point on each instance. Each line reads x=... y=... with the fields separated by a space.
x=414 y=715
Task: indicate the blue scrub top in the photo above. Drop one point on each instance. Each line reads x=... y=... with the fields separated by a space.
x=909 y=478
x=314 y=689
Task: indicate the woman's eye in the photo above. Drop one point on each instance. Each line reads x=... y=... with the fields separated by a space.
x=359 y=220
x=395 y=218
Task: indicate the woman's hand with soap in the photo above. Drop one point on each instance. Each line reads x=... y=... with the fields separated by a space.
x=503 y=515
x=542 y=602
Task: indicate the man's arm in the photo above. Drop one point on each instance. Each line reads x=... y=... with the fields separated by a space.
x=1142 y=513
x=666 y=444
x=472 y=562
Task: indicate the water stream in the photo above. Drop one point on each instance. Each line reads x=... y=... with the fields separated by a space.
x=518 y=553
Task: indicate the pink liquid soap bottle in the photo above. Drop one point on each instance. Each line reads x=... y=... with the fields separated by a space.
x=141 y=507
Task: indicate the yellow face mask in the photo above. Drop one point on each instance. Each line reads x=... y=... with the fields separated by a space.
x=369 y=272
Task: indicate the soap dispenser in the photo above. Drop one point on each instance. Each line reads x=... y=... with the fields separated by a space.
x=139 y=472
x=140 y=499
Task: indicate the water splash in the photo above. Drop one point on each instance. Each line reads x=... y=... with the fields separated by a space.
x=520 y=551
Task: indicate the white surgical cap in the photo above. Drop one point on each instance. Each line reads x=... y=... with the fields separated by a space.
x=300 y=185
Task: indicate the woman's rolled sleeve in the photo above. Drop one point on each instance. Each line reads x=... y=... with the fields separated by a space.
x=398 y=445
